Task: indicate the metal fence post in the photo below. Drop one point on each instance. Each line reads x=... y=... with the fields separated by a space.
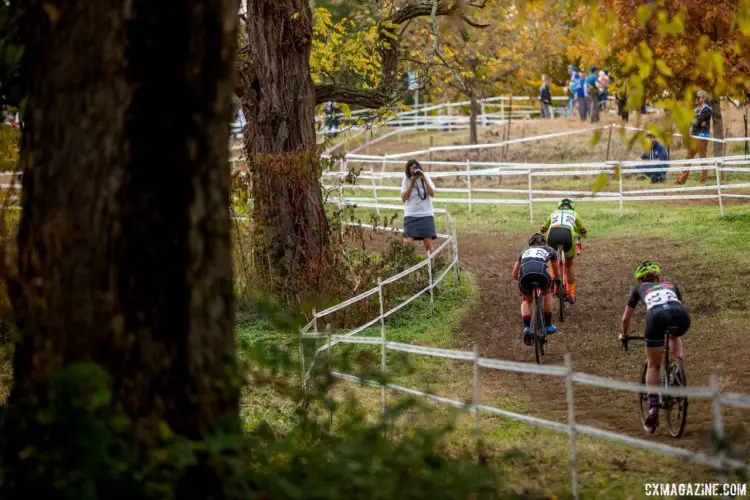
x=531 y=204
x=715 y=384
x=429 y=273
x=718 y=188
x=475 y=402
x=382 y=354
x=468 y=179
x=571 y=426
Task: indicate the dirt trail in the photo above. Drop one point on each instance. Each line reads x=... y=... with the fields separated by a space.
x=590 y=334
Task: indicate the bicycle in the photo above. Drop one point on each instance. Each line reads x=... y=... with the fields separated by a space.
x=671 y=374
x=562 y=291
x=538 y=327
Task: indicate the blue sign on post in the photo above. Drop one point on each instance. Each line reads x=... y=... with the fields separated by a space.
x=412 y=79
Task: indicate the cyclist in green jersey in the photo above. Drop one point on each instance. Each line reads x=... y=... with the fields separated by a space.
x=561 y=224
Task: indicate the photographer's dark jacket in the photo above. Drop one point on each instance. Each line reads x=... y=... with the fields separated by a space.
x=545 y=95
x=702 y=121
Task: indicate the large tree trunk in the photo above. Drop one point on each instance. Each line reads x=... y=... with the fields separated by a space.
x=124 y=243
x=473 y=112
x=278 y=99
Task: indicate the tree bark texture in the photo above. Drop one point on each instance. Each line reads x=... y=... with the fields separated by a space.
x=124 y=243
x=473 y=113
x=278 y=99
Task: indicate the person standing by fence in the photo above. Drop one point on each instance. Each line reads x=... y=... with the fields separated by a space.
x=545 y=95
x=701 y=127
x=592 y=92
x=580 y=90
x=657 y=173
x=417 y=191
x=573 y=75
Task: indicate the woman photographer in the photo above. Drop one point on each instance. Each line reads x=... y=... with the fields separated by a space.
x=417 y=191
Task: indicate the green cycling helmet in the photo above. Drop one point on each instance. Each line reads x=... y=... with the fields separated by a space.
x=566 y=201
x=645 y=268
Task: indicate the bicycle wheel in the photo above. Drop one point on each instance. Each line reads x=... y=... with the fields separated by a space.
x=539 y=334
x=563 y=288
x=643 y=403
x=678 y=406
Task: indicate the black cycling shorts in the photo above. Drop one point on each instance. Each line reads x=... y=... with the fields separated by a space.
x=561 y=236
x=673 y=317
x=534 y=274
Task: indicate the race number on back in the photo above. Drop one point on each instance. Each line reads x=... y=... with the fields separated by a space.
x=660 y=297
x=535 y=253
x=562 y=219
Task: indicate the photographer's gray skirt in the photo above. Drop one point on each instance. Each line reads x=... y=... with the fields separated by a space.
x=420 y=228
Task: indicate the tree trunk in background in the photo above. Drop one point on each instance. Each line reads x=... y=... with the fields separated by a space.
x=278 y=99
x=473 y=112
x=718 y=127
x=124 y=242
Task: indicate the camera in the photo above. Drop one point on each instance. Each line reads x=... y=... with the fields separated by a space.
x=416 y=171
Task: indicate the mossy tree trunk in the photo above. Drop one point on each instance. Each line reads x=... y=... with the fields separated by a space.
x=124 y=243
x=278 y=99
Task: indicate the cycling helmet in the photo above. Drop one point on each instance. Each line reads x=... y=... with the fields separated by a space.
x=566 y=201
x=537 y=239
x=645 y=268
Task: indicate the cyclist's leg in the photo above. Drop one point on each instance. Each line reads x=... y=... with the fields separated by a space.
x=526 y=300
x=547 y=311
x=654 y=335
x=571 y=271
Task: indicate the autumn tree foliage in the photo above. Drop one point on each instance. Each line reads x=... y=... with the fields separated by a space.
x=518 y=42
x=668 y=50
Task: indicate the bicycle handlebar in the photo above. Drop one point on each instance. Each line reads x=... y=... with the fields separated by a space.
x=624 y=341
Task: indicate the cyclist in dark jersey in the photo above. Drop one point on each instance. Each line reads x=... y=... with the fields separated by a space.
x=532 y=271
x=664 y=310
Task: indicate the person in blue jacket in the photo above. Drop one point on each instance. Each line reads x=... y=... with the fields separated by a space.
x=658 y=172
x=579 y=85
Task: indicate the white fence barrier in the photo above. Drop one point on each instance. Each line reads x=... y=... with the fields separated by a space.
x=719 y=461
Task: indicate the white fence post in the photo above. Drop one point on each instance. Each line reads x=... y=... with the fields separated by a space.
x=715 y=384
x=455 y=256
x=375 y=195
x=531 y=204
x=475 y=402
x=468 y=179
x=302 y=362
x=619 y=175
x=429 y=273
x=382 y=353
x=571 y=426
x=718 y=188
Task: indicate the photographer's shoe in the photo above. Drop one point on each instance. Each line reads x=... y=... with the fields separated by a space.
x=551 y=330
x=528 y=338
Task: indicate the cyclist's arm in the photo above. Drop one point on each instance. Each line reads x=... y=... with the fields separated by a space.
x=627 y=319
x=547 y=224
x=580 y=228
x=516 y=269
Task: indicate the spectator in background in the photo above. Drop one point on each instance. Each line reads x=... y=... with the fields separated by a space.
x=658 y=172
x=622 y=107
x=573 y=74
x=603 y=85
x=545 y=95
x=592 y=92
x=417 y=191
x=580 y=84
x=701 y=127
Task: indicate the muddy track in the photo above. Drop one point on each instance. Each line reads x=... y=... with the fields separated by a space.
x=715 y=344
